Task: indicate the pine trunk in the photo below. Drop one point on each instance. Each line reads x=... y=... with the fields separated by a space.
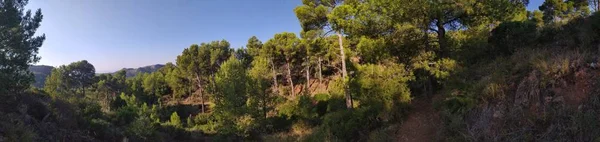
x=344 y=72
x=264 y=103
x=441 y=33
x=289 y=76
x=320 y=71
x=308 y=76
x=276 y=86
x=201 y=93
x=597 y=2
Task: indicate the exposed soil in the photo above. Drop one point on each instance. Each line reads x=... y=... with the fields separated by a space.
x=422 y=123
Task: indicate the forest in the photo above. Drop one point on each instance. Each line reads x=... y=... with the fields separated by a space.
x=360 y=70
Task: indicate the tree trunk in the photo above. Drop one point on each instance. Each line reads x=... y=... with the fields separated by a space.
x=264 y=107
x=320 y=71
x=344 y=72
x=429 y=91
x=201 y=92
x=595 y=5
x=276 y=88
x=308 y=76
x=441 y=33
x=106 y=102
x=289 y=76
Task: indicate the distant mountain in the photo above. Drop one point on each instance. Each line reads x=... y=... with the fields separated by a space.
x=130 y=72
x=40 y=72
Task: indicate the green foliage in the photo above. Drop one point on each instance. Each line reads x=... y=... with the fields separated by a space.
x=254 y=46
x=557 y=10
x=300 y=109
x=142 y=127
x=347 y=125
x=479 y=54
x=372 y=50
x=178 y=83
x=73 y=79
x=19 y=45
x=231 y=87
x=383 y=87
x=285 y=43
x=17 y=130
x=510 y=36
x=175 y=120
x=155 y=84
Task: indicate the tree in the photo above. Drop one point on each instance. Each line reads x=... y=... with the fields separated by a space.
x=254 y=46
x=109 y=85
x=195 y=63
x=319 y=15
x=243 y=55
x=258 y=50
x=537 y=17
x=81 y=74
x=260 y=74
x=155 y=84
x=316 y=46
x=286 y=44
x=55 y=84
x=231 y=94
x=69 y=79
x=558 y=10
x=18 y=45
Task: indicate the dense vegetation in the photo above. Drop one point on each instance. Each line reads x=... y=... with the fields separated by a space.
x=498 y=71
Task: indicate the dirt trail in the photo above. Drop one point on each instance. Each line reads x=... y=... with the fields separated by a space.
x=422 y=124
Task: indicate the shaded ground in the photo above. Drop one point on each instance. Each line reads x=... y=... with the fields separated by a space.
x=422 y=123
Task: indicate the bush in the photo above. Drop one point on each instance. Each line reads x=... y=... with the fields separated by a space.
x=350 y=125
x=509 y=36
x=16 y=130
x=175 y=120
x=383 y=87
x=142 y=128
x=300 y=109
x=125 y=115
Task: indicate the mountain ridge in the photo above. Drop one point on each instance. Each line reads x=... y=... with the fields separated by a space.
x=40 y=72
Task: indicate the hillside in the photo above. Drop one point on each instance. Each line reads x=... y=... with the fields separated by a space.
x=40 y=72
x=130 y=72
x=366 y=70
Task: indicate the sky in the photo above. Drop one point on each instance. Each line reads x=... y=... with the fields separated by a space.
x=534 y=4
x=116 y=34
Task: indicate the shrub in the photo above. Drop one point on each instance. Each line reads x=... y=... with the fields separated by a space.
x=142 y=127
x=383 y=87
x=349 y=125
x=175 y=120
x=509 y=36
x=125 y=115
x=16 y=130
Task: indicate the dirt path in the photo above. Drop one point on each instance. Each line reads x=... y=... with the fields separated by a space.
x=422 y=124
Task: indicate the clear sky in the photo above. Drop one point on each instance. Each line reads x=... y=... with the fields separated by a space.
x=534 y=4
x=115 y=34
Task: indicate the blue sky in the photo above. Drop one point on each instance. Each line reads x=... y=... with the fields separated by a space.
x=534 y=4
x=115 y=34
